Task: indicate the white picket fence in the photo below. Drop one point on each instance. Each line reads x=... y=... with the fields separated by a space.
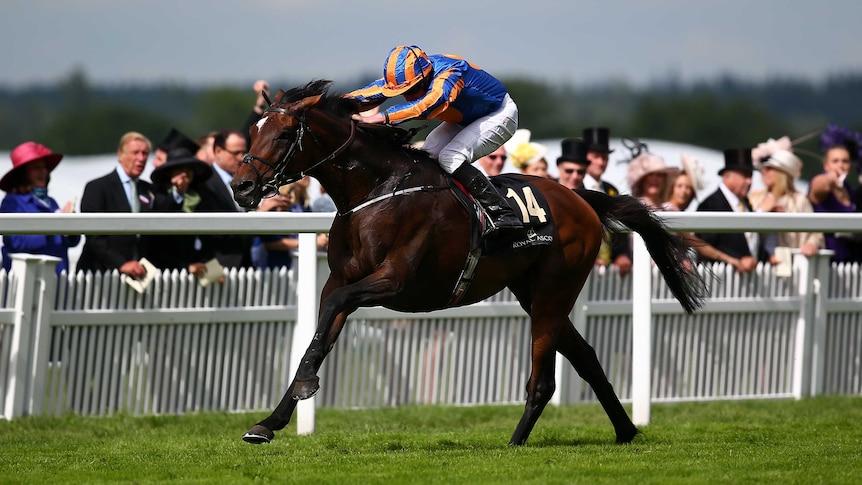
x=88 y=344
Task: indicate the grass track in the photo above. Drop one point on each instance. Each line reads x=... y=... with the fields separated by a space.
x=809 y=441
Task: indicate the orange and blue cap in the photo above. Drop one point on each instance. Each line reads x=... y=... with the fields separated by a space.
x=404 y=68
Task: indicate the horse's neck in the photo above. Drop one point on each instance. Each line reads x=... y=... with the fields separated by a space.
x=362 y=174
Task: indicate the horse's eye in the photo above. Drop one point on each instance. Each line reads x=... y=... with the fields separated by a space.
x=286 y=136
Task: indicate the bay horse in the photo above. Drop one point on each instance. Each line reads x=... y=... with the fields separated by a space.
x=401 y=237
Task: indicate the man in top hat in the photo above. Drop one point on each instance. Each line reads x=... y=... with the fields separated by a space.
x=597 y=140
x=732 y=196
x=598 y=150
x=572 y=163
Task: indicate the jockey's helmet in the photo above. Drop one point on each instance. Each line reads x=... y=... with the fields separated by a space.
x=405 y=66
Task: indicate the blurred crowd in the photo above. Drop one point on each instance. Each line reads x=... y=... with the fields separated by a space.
x=193 y=175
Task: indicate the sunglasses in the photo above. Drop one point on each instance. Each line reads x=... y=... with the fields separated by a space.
x=569 y=171
x=494 y=157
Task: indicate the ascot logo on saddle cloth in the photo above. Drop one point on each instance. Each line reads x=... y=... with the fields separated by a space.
x=528 y=203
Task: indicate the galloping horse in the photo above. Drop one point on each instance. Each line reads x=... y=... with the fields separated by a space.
x=401 y=238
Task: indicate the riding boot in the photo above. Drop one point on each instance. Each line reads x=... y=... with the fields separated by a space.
x=500 y=215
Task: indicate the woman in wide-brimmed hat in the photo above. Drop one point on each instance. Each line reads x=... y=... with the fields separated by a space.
x=778 y=170
x=648 y=178
x=179 y=186
x=26 y=185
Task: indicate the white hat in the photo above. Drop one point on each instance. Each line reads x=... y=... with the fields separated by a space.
x=521 y=151
x=783 y=160
x=694 y=171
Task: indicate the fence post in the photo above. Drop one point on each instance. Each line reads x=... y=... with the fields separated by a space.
x=306 y=322
x=641 y=332
x=802 y=367
x=818 y=318
x=24 y=366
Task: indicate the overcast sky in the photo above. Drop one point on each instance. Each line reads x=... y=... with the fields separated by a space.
x=216 y=41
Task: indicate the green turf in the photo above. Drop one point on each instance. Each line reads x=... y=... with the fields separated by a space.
x=780 y=441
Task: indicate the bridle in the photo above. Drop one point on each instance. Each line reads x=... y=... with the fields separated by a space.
x=280 y=177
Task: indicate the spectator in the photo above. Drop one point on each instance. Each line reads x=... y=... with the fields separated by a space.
x=26 y=185
x=527 y=156
x=683 y=190
x=731 y=196
x=648 y=177
x=122 y=190
x=684 y=186
x=778 y=172
x=572 y=163
x=830 y=191
x=179 y=186
x=174 y=139
x=598 y=151
x=205 y=152
x=492 y=163
x=228 y=149
x=261 y=90
x=276 y=251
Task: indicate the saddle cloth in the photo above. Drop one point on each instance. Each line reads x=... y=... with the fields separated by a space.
x=528 y=203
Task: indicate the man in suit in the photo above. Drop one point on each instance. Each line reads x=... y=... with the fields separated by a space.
x=732 y=196
x=121 y=190
x=229 y=147
x=597 y=140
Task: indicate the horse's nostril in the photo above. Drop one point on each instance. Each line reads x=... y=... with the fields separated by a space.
x=243 y=187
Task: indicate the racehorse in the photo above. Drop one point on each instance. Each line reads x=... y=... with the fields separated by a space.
x=401 y=237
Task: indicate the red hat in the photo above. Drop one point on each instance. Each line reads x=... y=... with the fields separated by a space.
x=25 y=153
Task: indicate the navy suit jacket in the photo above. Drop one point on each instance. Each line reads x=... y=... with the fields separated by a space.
x=106 y=194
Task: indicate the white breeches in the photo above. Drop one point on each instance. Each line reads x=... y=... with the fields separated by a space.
x=453 y=145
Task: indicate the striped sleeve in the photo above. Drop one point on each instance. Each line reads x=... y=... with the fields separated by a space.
x=369 y=95
x=444 y=89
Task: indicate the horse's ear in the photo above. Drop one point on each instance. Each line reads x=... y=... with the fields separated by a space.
x=308 y=102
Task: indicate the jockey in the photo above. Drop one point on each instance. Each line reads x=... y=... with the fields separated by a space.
x=477 y=116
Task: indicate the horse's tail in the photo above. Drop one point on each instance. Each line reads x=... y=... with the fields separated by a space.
x=668 y=250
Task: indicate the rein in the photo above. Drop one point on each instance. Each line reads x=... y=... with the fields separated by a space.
x=280 y=178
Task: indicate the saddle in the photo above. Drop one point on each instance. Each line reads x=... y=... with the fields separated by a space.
x=526 y=201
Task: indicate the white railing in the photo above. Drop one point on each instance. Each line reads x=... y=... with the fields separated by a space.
x=759 y=335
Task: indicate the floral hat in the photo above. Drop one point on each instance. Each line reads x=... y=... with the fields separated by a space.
x=522 y=152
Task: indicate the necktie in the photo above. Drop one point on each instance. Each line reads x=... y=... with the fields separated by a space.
x=134 y=202
x=740 y=205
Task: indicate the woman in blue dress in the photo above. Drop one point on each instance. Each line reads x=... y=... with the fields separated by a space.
x=26 y=185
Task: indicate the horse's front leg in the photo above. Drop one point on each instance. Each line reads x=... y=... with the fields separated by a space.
x=341 y=301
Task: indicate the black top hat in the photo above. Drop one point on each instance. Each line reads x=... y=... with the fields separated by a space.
x=597 y=139
x=175 y=139
x=179 y=157
x=573 y=150
x=737 y=159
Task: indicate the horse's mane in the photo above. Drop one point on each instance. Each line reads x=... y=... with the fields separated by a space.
x=340 y=107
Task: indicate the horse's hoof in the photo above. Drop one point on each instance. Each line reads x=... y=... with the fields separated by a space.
x=627 y=436
x=258 y=435
x=305 y=388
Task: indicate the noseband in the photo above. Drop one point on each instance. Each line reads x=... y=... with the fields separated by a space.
x=280 y=177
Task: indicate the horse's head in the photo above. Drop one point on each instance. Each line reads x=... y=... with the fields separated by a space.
x=284 y=146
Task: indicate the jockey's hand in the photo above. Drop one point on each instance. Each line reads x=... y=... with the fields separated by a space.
x=375 y=118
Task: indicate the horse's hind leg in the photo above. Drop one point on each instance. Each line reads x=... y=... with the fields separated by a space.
x=540 y=387
x=583 y=357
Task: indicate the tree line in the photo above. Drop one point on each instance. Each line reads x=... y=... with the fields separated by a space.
x=74 y=116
